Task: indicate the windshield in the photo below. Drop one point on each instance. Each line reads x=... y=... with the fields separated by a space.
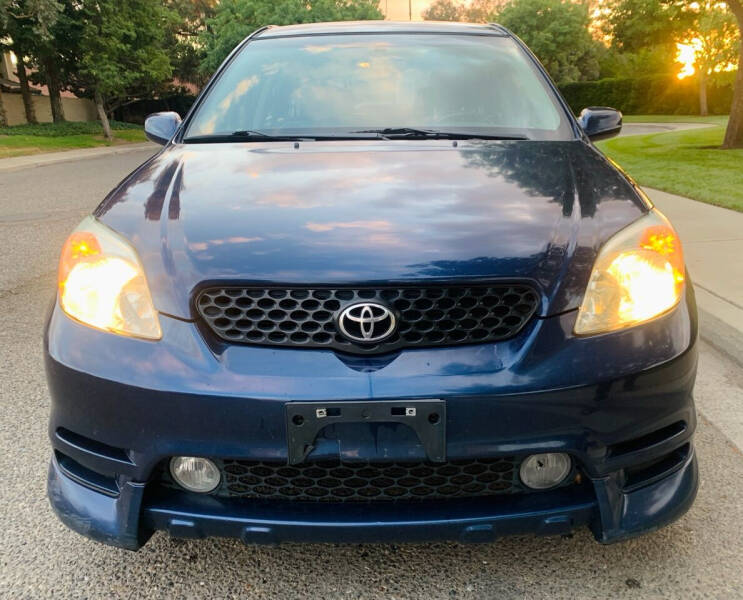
x=332 y=85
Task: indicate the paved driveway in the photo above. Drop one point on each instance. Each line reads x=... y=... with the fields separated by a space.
x=698 y=556
x=641 y=128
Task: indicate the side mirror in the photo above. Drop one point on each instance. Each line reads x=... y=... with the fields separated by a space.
x=160 y=127
x=600 y=122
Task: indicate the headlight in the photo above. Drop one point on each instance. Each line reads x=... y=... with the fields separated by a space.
x=102 y=283
x=638 y=275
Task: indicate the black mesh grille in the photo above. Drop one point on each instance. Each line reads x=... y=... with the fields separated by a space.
x=426 y=316
x=335 y=481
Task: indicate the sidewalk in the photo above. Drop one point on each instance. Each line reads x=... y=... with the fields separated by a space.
x=713 y=248
x=50 y=158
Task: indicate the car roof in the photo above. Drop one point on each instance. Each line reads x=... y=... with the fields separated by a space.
x=344 y=27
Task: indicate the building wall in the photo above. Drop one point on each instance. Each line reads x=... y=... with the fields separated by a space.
x=399 y=10
x=7 y=69
x=75 y=109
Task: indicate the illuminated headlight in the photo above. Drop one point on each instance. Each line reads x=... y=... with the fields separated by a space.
x=194 y=474
x=543 y=471
x=638 y=275
x=102 y=283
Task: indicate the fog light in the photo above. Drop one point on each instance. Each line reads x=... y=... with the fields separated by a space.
x=195 y=474
x=542 y=471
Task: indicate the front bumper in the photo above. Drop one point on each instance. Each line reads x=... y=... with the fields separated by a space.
x=613 y=515
x=620 y=404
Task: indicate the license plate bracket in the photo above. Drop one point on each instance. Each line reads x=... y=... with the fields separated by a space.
x=427 y=418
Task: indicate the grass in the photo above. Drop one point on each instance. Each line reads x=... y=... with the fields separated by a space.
x=689 y=163
x=20 y=140
x=712 y=119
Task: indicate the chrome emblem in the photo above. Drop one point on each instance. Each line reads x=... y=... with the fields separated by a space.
x=367 y=322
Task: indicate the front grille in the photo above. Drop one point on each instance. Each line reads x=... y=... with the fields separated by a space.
x=335 y=481
x=438 y=315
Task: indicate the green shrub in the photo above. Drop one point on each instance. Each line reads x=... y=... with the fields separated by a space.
x=64 y=129
x=650 y=95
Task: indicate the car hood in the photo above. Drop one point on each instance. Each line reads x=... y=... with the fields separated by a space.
x=371 y=211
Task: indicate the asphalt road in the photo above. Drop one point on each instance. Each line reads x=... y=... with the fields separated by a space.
x=699 y=556
x=643 y=128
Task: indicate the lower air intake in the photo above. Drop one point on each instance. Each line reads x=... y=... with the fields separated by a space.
x=334 y=481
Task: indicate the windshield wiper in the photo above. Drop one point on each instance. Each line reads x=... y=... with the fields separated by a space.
x=436 y=134
x=401 y=132
x=249 y=135
x=246 y=135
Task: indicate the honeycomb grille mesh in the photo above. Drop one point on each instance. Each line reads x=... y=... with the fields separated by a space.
x=426 y=315
x=335 y=481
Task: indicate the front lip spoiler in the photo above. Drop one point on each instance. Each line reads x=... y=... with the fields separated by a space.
x=624 y=515
x=129 y=519
x=316 y=528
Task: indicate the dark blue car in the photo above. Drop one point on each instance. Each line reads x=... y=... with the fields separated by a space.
x=377 y=286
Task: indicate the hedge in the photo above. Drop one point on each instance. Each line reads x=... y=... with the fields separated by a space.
x=63 y=129
x=137 y=112
x=649 y=95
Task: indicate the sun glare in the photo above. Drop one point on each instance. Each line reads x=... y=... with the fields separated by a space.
x=686 y=56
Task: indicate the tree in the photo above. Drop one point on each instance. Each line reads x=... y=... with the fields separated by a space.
x=118 y=52
x=444 y=10
x=734 y=131
x=53 y=56
x=637 y=25
x=4 y=8
x=482 y=11
x=713 y=37
x=28 y=27
x=236 y=19
x=654 y=60
x=643 y=36
x=23 y=25
x=182 y=38
x=476 y=11
x=557 y=32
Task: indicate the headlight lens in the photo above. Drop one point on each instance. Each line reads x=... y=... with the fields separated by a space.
x=102 y=283
x=638 y=275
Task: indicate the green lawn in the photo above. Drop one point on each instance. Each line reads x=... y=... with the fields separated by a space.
x=713 y=119
x=689 y=163
x=47 y=137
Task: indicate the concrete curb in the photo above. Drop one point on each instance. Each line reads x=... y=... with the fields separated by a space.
x=720 y=323
x=50 y=158
x=721 y=336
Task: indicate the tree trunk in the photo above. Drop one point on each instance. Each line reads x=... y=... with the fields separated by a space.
x=55 y=96
x=103 y=116
x=3 y=114
x=703 y=111
x=734 y=132
x=28 y=102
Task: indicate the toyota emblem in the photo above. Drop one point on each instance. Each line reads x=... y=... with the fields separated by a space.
x=367 y=322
